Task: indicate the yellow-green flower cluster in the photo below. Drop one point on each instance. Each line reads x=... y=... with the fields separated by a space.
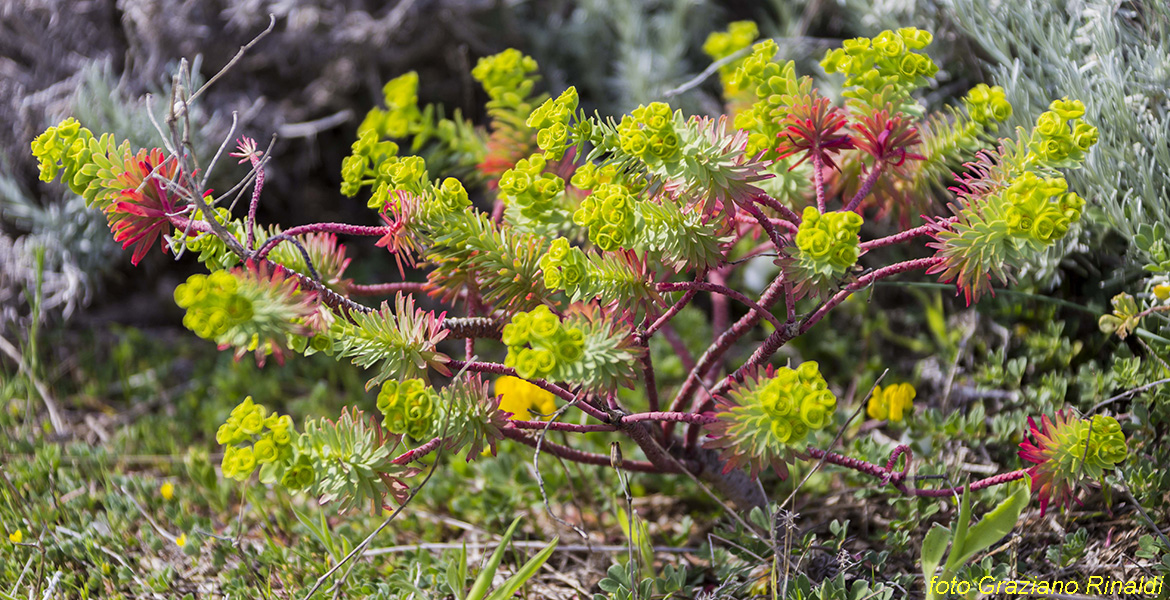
x=987 y=105
x=797 y=401
x=892 y=402
x=648 y=133
x=449 y=197
x=539 y=345
x=64 y=147
x=769 y=414
x=1041 y=208
x=589 y=176
x=565 y=267
x=828 y=242
x=888 y=59
x=528 y=187
x=609 y=214
x=507 y=76
x=408 y=407
x=775 y=87
x=402 y=116
x=721 y=44
x=252 y=436
x=552 y=121
x=367 y=153
x=1061 y=138
x=213 y=304
x=407 y=173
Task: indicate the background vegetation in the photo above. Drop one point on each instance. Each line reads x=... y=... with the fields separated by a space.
x=115 y=492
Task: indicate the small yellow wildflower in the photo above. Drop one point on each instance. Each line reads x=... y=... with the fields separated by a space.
x=1162 y=291
x=16 y=537
x=892 y=402
x=522 y=398
x=167 y=491
x=181 y=541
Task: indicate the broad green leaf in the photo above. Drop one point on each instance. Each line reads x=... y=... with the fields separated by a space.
x=961 y=524
x=479 y=589
x=933 y=546
x=457 y=573
x=524 y=573
x=996 y=524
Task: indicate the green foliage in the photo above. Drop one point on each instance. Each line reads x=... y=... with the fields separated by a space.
x=1010 y=209
x=352 y=462
x=967 y=540
x=609 y=213
x=767 y=416
x=252 y=437
x=402 y=342
x=254 y=308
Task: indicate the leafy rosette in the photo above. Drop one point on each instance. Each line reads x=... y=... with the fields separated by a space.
x=253 y=308
x=140 y=217
x=609 y=353
x=352 y=461
x=1068 y=451
x=766 y=419
x=1012 y=204
x=130 y=188
x=472 y=418
x=401 y=342
x=714 y=166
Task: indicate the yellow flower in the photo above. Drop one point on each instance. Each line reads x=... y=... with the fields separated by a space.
x=167 y=491
x=892 y=403
x=16 y=537
x=181 y=540
x=520 y=397
x=1162 y=291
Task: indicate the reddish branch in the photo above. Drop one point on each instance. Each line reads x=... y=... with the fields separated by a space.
x=774 y=204
x=388 y=289
x=724 y=290
x=866 y=186
x=898 y=479
x=898 y=238
x=589 y=458
x=342 y=228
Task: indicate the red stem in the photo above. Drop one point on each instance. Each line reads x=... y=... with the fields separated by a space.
x=259 y=185
x=677 y=417
x=559 y=426
x=724 y=290
x=386 y=289
x=905 y=235
x=898 y=478
x=866 y=186
x=819 y=180
x=498 y=369
x=724 y=342
x=575 y=455
x=418 y=452
x=773 y=235
x=342 y=228
x=781 y=336
x=775 y=205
